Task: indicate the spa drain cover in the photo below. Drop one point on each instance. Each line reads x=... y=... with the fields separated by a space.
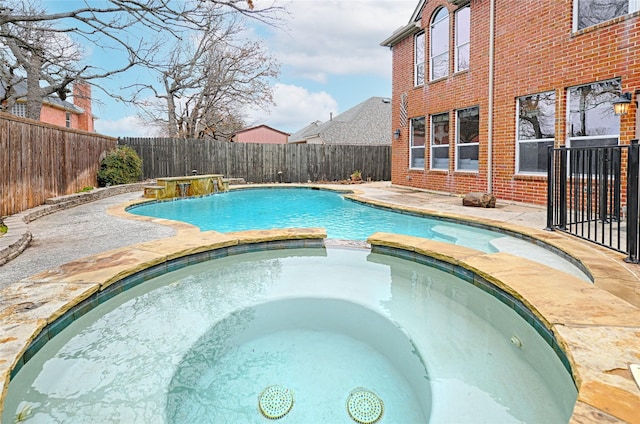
x=275 y=402
x=364 y=406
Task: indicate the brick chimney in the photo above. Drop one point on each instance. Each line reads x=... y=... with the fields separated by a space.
x=82 y=99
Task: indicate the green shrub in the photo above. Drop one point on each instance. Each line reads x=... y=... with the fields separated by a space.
x=121 y=166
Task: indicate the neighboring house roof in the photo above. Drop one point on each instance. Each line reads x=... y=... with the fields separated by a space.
x=261 y=126
x=51 y=100
x=298 y=136
x=368 y=123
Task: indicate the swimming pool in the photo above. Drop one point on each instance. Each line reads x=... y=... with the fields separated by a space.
x=208 y=339
x=267 y=208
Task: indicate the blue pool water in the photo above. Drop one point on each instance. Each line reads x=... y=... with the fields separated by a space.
x=269 y=208
x=201 y=343
x=305 y=208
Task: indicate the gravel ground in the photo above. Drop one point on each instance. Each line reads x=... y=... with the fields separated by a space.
x=78 y=232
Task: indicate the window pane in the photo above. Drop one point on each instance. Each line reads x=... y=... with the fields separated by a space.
x=537 y=116
x=462 y=59
x=468 y=125
x=439 y=51
x=420 y=48
x=592 y=12
x=440 y=38
x=463 y=30
x=440 y=141
x=417 y=132
x=440 y=157
x=532 y=156
x=417 y=140
x=417 y=158
x=440 y=66
x=591 y=109
x=419 y=57
x=468 y=157
x=440 y=130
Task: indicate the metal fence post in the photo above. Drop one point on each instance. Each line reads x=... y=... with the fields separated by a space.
x=550 y=194
x=562 y=185
x=632 y=201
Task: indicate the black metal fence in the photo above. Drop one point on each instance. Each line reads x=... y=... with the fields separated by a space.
x=261 y=163
x=593 y=194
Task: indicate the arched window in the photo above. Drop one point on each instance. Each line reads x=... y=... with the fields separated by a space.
x=439 y=51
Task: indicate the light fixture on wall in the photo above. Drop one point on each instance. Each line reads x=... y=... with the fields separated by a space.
x=621 y=106
x=396 y=134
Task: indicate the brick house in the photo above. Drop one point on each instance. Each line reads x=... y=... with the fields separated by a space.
x=261 y=134
x=482 y=87
x=77 y=115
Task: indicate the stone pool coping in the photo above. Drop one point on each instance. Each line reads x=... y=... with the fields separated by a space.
x=599 y=332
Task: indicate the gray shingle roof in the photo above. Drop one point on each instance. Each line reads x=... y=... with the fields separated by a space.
x=368 y=123
x=53 y=100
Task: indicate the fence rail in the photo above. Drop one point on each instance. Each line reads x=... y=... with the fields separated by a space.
x=593 y=194
x=39 y=161
x=260 y=163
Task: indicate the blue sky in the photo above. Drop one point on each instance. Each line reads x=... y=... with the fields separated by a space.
x=330 y=56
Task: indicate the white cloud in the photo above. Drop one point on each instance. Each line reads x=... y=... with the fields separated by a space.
x=339 y=37
x=296 y=108
x=129 y=126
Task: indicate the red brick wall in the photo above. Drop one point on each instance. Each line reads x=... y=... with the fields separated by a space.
x=82 y=99
x=54 y=116
x=535 y=50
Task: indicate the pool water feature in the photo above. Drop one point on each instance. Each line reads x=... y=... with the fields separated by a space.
x=267 y=208
x=322 y=323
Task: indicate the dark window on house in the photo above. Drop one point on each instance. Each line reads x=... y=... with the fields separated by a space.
x=592 y=122
x=68 y=120
x=467 y=139
x=535 y=132
x=591 y=118
x=593 y=12
x=416 y=143
x=440 y=141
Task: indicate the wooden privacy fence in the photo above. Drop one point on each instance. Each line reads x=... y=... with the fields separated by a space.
x=260 y=163
x=39 y=161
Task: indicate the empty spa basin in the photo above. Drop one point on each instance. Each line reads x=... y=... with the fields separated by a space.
x=297 y=336
x=342 y=218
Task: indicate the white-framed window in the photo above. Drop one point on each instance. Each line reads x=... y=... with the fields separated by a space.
x=439 y=51
x=590 y=117
x=467 y=138
x=463 y=38
x=440 y=141
x=416 y=143
x=592 y=12
x=535 y=131
x=19 y=109
x=418 y=59
x=68 y=119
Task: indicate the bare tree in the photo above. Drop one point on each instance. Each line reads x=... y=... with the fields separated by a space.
x=136 y=27
x=208 y=81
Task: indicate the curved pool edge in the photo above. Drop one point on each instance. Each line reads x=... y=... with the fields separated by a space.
x=606 y=267
x=597 y=331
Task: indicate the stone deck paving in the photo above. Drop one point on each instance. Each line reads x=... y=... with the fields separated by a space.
x=597 y=325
